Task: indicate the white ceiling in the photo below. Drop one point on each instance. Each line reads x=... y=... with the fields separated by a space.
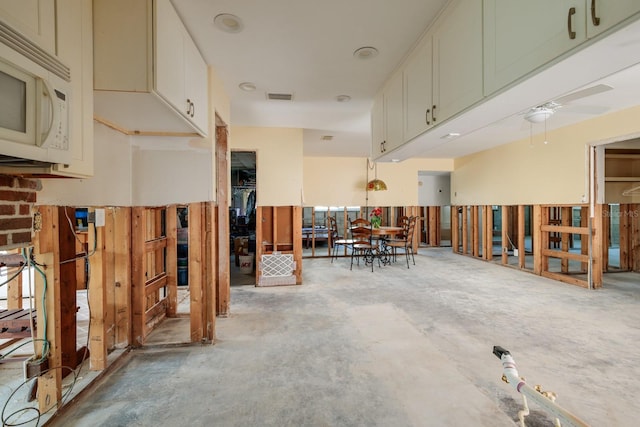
x=306 y=48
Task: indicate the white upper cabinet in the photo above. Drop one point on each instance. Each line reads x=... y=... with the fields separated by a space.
x=522 y=35
x=149 y=75
x=604 y=14
x=457 y=59
x=387 y=117
x=36 y=19
x=418 y=92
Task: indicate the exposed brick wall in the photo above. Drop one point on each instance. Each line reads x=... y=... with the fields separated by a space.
x=17 y=197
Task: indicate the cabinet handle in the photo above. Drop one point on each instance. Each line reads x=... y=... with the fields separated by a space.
x=193 y=109
x=433 y=113
x=426 y=116
x=594 y=19
x=188 y=107
x=572 y=34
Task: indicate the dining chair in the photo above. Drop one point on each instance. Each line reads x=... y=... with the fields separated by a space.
x=361 y=233
x=335 y=239
x=406 y=242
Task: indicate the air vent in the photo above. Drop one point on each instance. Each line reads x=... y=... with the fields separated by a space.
x=326 y=137
x=280 y=96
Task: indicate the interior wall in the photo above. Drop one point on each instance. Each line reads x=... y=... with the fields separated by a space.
x=341 y=181
x=111 y=182
x=434 y=190
x=525 y=173
x=170 y=176
x=279 y=162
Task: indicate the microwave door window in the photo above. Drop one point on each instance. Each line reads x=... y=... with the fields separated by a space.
x=13 y=103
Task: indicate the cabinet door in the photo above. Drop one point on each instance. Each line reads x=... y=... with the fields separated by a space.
x=522 y=35
x=377 y=126
x=393 y=111
x=457 y=59
x=418 y=99
x=169 y=56
x=604 y=14
x=196 y=86
x=36 y=19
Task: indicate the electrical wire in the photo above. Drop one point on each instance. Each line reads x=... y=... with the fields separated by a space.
x=7 y=420
x=20 y=269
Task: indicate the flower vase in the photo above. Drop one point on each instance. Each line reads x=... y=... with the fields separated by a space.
x=375 y=222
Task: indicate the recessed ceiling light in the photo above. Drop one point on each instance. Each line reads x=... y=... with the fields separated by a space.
x=228 y=23
x=366 y=52
x=247 y=86
x=450 y=135
x=343 y=98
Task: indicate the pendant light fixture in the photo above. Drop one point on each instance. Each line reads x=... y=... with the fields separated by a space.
x=375 y=184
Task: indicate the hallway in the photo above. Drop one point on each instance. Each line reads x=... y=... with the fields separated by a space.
x=402 y=347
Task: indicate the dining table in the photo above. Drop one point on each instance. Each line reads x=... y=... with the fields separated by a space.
x=383 y=233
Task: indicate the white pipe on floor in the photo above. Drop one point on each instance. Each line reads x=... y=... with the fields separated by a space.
x=510 y=372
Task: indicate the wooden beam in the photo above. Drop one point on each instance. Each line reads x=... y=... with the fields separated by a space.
x=565 y=279
x=210 y=267
x=48 y=284
x=455 y=235
x=97 y=298
x=634 y=239
x=606 y=236
x=505 y=235
x=537 y=236
x=488 y=232
x=625 y=227
x=122 y=275
x=565 y=217
x=138 y=300
x=522 y=256
x=109 y=279
x=564 y=229
x=297 y=242
x=597 y=240
x=172 y=260
x=475 y=231
x=584 y=240
x=223 y=282
x=195 y=272
x=465 y=230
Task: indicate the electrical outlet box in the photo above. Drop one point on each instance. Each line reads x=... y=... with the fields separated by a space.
x=99 y=217
x=515 y=252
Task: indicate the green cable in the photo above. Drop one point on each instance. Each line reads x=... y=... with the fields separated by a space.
x=45 y=345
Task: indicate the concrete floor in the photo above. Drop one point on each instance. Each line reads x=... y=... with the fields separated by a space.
x=401 y=347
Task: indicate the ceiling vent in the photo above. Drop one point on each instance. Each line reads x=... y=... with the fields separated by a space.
x=279 y=96
x=326 y=137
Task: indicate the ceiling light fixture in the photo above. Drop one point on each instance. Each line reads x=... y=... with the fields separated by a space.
x=228 y=23
x=247 y=86
x=366 y=52
x=343 y=98
x=538 y=114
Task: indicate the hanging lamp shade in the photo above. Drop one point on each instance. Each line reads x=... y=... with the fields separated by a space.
x=376 y=185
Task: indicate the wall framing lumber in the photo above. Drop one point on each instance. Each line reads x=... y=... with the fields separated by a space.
x=223 y=268
x=97 y=299
x=597 y=241
x=538 y=243
x=475 y=231
x=46 y=253
x=455 y=234
x=122 y=275
x=172 y=254
x=138 y=225
x=506 y=221
x=195 y=272
x=522 y=256
x=465 y=229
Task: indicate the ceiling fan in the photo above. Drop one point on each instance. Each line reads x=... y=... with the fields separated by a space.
x=542 y=112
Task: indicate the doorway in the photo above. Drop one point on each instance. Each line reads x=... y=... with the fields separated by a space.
x=242 y=218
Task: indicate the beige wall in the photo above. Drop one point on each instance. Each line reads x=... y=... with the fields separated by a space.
x=278 y=162
x=341 y=181
x=521 y=173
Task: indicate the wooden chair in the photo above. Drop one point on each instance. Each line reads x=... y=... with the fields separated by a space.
x=406 y=242
x=335 y=239
x=363 y=246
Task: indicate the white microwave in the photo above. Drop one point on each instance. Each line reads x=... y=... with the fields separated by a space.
x=34 y=111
